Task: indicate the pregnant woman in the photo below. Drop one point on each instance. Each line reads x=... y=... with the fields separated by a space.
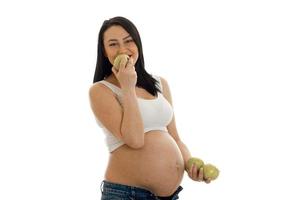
x=134 y=109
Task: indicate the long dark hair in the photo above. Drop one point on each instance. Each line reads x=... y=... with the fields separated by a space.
x=103 y=66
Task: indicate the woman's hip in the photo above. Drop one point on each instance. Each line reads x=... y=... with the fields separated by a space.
x=116 y=191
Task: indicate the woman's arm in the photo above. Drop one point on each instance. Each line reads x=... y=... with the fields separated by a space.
x=132 y=128
x=124 y=122
x=172 y=125
x=194 y=173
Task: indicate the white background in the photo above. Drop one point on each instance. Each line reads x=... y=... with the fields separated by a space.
x=233 y=69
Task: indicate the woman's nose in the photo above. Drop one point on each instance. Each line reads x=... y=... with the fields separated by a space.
x=122 y=49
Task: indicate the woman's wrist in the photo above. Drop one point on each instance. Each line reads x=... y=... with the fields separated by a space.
x=186 y=165
x=129 y=92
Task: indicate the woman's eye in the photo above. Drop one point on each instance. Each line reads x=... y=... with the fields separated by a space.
x=112 y=44
x=128 y=41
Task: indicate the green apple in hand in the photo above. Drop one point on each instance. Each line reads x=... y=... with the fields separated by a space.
x=197 y=161
x=210 y=172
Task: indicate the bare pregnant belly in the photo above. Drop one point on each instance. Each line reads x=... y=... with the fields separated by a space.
x=158 y=166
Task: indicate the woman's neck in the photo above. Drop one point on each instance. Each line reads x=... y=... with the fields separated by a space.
x=112 y=79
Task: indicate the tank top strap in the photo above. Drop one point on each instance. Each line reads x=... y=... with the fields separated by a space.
x=114 y=88
x=159 y=81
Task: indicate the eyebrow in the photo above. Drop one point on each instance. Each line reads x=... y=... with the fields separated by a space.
x=112 y=40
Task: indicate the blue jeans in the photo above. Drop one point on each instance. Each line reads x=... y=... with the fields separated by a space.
x=115 y=191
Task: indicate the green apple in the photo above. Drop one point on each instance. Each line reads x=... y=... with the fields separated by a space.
x=197 y=161
x=120 y=58
x=210 y=172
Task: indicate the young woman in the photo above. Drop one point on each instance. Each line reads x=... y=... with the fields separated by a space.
x=134 y=108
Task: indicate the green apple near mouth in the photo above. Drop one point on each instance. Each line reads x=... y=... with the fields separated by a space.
x=120 y=58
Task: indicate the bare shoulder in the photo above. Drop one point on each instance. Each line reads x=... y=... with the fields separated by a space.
x=94 y=88
x=166 y=89
x=106 y=108
x=98 y=90
x=102 y=97
x=164 y=82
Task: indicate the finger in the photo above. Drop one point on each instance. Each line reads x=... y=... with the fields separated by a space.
x=195 y=172
x=190 y=170
x=114 y=70
x=200 y=175
x=130 y=63
x=207 y=181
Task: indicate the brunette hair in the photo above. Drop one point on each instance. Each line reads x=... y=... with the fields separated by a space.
x=103 y=66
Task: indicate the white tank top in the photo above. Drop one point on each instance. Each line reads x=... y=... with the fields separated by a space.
x=156 y=114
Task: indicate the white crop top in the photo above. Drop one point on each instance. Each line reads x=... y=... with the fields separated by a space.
x=156 y=114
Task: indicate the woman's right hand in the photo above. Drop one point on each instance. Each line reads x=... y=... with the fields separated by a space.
x=126 y=75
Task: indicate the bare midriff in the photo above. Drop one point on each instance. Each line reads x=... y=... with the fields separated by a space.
x=158 y=166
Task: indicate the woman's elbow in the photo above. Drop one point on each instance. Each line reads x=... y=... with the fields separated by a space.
x=134 y=140
x=136 y=144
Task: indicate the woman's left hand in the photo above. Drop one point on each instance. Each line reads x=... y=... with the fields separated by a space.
x=197 y=174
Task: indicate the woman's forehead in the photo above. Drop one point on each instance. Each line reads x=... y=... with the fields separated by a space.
x=115 y=32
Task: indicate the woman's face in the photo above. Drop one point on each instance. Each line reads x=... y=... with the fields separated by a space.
x=116 y=41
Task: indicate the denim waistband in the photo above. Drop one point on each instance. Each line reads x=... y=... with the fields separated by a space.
x=135 y=192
